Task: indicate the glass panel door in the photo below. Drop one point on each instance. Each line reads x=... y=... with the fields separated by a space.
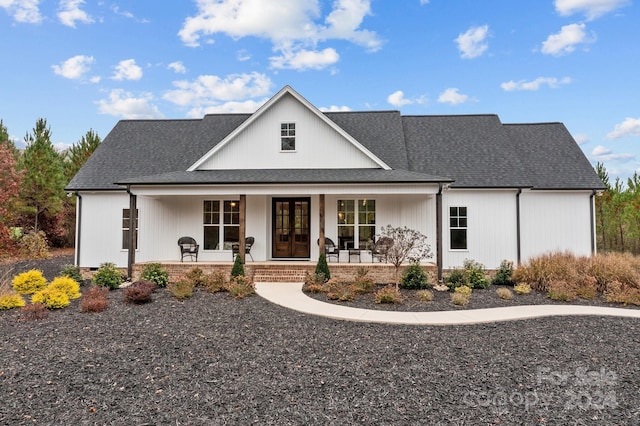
x=291 y=217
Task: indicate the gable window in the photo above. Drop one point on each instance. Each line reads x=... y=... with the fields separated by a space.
x=288 y=136
x=221 y=221
x=125 y=229
x=348 y=223
x=458 y=227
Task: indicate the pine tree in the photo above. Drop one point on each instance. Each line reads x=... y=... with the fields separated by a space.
x=80 y=152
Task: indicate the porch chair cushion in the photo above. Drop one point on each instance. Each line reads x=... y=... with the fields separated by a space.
x=188 y=247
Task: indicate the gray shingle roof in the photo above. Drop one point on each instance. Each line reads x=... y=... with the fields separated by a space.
x=474 y=150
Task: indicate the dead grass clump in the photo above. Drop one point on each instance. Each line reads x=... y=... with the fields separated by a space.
x=504 y=293
x=95 y=299
x=425 y=295
x=460 y=299
x=541 y=271
x=562 y=290
x=215 y=282
x=388 y=294
x=34 y=312
x=607 y=268
x=618 y=292
x=240 y=287
x=181 y=289
x=341 y=291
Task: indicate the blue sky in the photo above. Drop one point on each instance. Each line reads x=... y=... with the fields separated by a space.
x=87 y=64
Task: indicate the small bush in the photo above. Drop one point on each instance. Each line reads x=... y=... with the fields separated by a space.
x=618 y=292
x=238 y=268
x=457 y=278
x=94 y=300
x=337 y=290
x=240 y=287
x=215 y=282
x=108 y=275
x=181 y=289
x=197 y=277
x=154 y=272
x=388 y=294
x=314 y=287
x=504 y=274
x=29 y=282
x=414 y=277
x=67 y=285
x=322 y=267
x=73 y=272
x=139 y=292
x=362 y=283
x=463 y=290
x=11 y=301
x=34 y=245
x=588 y=288
x=425 y=295
x=475 y=274
x=562 y=290
x=460 y=299
x=34 y=311
x=51 y=298
x=504 y=293
x=522 y=288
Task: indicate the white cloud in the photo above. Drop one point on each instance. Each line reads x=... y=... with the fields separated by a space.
x=305 y=59
x=177 y=67
x=210 y=93
x=424 y=1
x=124 y=104
x=533 y=85
x=629 y=127
x=74 y=67
x=581 y=138
x=243 y=55
x=294 y=27
x=127 y=70
x=566 y=40
x=601 y=153
x=592 y=9
x=232 y=107
x=69 y=13
x=451 y=96
x=398 y=100
x=335 y=108
x=25 y=11
x=473 y=42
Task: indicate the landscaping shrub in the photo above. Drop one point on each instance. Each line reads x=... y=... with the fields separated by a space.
x=67 y=285
x=322 y=267
x=154 y=272
x=341 y=291
x=215 y=282
x=34 y=311
x=425 y=295
x=94 y=300
x=34 y=245
x=414 y=277
x=504 y=274
x=588 y=288
x=181 y=289
x=466 y=290
x=29 y=282
x=139 y=292
x=197 y=277
x=10 y=301
x=73 y=272
x=108 y=275
x=457 y=278
x=504 y=293
x=388 y=294
x=540 y=271
x=618 y=292
x=562 y=290
x=362 y=283
x=622 y=268
x=475 y=274
x=238 y=268
x=51 y=298
x=460 y=299
x=314 y=283
x=522 y=288
x=240 y=287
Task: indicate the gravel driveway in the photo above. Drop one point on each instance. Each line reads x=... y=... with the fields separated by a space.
x=215 y=360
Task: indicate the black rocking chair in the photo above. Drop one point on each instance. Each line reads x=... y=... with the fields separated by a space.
x=381 y=248
x=248 y=243
x=188 y=247
x=330 y=249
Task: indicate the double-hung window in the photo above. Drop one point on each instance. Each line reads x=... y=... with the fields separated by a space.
x=288 y=136
x=458 y=227
x=352 y=226
x=126 y=230
x=221 y=221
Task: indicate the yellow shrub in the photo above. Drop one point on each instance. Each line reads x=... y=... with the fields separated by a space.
x=463 y=289
x=29 y=282
x=67 y=285
x=52 y=298
x=10 y=301
x=522 y=288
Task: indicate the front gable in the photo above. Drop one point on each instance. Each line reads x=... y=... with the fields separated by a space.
x=318 y=143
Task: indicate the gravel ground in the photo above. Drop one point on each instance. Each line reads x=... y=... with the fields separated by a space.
x=215 y=360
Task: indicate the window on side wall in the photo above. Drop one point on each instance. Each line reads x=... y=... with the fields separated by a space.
x=288 y=136
x=458 y=228
x=221 y=221
x=125 y=229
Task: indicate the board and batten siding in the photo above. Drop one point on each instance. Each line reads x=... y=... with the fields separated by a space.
x=318 y=146
x=555 y=222
x=491 y=227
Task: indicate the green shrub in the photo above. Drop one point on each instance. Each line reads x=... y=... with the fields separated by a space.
x=34 y=245
x=504 y=293
x=475 y=273
x=504 y=274
x=73 y=272
x=181 y=289
x=108 y=275
x=67 y=285
x=155 y=273
x=240 y=287
x=414 y=277
x=322 y=267
x=457 y=278
x=388 y=294
x=29 y=282
x=238 y=268
x=10 y=301
x=51 y=298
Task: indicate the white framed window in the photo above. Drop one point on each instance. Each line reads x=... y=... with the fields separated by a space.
x=360 y=227
x=458 y=228
x=221 y=222
x=125 y=229
x=287 y=136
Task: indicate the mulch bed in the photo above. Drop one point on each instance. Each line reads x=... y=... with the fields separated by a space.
x=215 y=360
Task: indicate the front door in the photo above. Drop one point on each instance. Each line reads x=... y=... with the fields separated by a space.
x=291 y=217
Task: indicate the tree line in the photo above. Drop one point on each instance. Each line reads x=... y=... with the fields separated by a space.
x=32 y=182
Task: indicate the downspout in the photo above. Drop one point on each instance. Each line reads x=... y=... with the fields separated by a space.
x=518 y=240
x=439 y=231
x=78 y=227
x=593 y=221
x=132 y=232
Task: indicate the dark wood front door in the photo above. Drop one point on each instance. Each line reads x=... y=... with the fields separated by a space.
x=291 y=217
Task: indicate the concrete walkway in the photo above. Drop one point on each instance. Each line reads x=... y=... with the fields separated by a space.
x=290 y=296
